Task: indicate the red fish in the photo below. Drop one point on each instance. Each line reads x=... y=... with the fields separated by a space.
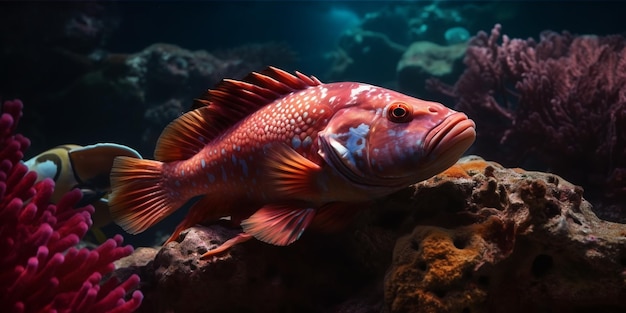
x=280 y=152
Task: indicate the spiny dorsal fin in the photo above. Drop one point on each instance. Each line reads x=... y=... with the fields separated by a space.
x=224 y=106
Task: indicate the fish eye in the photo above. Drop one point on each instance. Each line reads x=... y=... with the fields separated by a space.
x=400 y=112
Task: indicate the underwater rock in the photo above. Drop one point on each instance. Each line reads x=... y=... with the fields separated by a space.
x=314 y=274
x=476 y=238
x=489 y=238
x=423 y=60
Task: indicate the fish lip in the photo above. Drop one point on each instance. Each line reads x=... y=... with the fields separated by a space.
x=454 y=133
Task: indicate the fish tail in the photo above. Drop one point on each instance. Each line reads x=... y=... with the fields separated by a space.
x=138 y=199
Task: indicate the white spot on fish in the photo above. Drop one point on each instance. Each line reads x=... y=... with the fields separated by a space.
x=203 y=163
x=356 y=91
x=182 y=172
x=223 y=151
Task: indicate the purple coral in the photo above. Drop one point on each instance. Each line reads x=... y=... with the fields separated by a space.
x=40 y=269
x=558 y=104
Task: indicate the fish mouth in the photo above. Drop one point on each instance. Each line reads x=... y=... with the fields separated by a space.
x=447 y=142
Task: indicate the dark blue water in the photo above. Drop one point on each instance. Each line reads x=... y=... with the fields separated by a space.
x=49 y=48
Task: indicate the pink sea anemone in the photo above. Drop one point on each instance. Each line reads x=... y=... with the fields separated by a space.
x=41 y=270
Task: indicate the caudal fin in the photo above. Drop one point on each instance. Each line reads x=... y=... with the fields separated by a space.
x=138 y=200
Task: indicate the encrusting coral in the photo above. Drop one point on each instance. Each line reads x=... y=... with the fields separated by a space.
x=556 y=104
x=41 y=270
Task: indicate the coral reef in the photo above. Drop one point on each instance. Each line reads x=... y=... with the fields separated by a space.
x=558 y=104
x=371 y=51
x=476 y=238
x=489 y=238
x=366 y=55
x=423 y=60
x=41 y=269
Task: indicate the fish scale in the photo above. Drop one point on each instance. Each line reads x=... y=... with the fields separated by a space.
x=230 y=158
x=279 y=153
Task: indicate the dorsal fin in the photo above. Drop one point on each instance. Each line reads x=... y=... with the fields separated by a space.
x=221 y=108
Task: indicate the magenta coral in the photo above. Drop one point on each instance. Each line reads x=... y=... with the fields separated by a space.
x=558 y=104
x=40 y=269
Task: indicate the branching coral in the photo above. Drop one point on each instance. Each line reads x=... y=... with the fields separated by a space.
x=40 y=269
x=559 y=103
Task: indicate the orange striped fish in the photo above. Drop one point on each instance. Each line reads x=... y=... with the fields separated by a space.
x=279 y=152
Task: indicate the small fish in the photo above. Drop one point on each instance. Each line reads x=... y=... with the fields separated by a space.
x=87 y=168
x=279 y=153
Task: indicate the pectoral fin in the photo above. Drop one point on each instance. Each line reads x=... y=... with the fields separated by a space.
x=279 y=225
x=291 y=173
